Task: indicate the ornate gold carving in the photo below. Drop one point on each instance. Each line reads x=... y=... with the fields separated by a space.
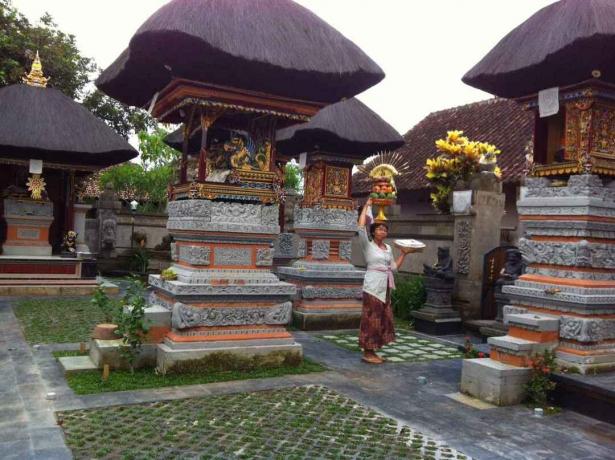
x=314 y=178
x=212 y=191
x=336 y=181
x=36 y=186
x=35 y=77
x=556 y=169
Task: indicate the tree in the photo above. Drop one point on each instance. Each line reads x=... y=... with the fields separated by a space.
x=293 y=176
x=149 y=179
x=123 y=119
x=70 y=72
x=19 y=42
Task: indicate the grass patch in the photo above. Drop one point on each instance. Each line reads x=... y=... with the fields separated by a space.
x=293 y=423
x=89 y=382
x=57 y=320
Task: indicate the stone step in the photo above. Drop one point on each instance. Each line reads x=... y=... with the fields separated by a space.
x=517 y=351
x=72 y=364
x=493 y=381
x=533 y=321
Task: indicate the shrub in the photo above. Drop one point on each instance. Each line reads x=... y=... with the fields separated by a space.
x=139 y=261
x=540 y=383
x=106 y=305
x=409 y=295
x=131 y=322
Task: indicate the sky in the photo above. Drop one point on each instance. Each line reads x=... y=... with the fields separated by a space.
x=424 y=47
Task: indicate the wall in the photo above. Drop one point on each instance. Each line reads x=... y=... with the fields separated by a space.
x=434 y=230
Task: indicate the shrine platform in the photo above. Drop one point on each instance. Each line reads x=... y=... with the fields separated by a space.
x=591 y=395
x=49 y=276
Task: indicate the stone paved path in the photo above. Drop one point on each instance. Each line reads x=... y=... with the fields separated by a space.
x=28 y=428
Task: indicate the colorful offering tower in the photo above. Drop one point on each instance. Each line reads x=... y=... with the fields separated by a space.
x=566 y=299
x=329 y=286
x=237 y=84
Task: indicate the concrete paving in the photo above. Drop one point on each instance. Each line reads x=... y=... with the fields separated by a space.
x=28 y=428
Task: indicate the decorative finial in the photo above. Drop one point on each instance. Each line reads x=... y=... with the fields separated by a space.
x=35 y=77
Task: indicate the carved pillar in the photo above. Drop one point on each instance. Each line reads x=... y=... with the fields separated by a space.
x=108 y=208
x=478 y=217
x=329 y=286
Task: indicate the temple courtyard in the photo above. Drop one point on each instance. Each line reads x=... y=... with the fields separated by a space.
x=410 y=407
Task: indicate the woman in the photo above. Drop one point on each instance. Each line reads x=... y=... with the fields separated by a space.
x=377 y=327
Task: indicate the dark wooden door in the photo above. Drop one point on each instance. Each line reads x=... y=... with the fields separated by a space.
x=493 y=263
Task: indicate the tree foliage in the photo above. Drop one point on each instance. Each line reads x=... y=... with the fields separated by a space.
x=148 y=180
x=70 y=72
x=19 y=41
x=293 y=176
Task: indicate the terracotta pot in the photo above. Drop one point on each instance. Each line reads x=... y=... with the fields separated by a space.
x=105 y=331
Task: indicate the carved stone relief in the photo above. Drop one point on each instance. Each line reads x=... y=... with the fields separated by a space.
x=320 y=249
x=264 y=256
x=195 y=255
x=463 y=241
x=232 y=256
x=185 y=316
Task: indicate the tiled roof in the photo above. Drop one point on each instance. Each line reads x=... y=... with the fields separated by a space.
x=498 y=121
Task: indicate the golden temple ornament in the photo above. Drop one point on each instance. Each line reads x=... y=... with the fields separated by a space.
x=36 y=77
x=36 y=186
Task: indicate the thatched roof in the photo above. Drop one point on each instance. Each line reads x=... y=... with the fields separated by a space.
x=45 y=124
x=348 y=128
x=273 y=46
x=559 y=45
x=498 y=121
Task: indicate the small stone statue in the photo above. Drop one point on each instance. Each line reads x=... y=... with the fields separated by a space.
x=513 y=267
x=443 y=268
x=69 y=244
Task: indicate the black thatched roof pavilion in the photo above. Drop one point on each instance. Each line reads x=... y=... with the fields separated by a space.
x=41 y=123
x=271 y=46
x=562 y=44
x=348 y=129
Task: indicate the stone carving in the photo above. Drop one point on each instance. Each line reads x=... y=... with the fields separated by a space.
x=21 y=208
x=174 y=252
x=286 y=245
x=513 y=267
x=109 y=229
x=581 y=254
x=237 y=290
x=312 y=292
x=346 y=250
x=325 y=218
x=185 y=316
x=264 y=257
x=270 y=214
x=463 y=243
x=443 y=268
x=190 y=208
x=232 y=256
x=195 y=255
x=302 y=251
x=320 y=249
x=584 y=330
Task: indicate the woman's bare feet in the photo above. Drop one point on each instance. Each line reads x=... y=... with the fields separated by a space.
x=372 y=358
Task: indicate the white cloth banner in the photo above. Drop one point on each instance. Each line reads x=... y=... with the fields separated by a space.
x=548 y=102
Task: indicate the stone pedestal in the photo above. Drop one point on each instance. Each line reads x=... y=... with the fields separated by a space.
x=79 y=226
x=225 y=297
x=478 y=217
x=27 y=227
x=329 y=287
x=437 y=315
x=493 y=381
x=570 y=250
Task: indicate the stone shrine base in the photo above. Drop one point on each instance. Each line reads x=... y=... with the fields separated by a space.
x=345 y=315
x=274 y=351
x=494 y=382
x=49 y=276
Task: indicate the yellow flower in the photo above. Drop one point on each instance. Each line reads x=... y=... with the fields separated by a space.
x=453 y=136
x=498 y=172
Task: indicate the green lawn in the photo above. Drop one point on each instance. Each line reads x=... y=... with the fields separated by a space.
x=305 y=422
x=58 y=320
x=89 y=382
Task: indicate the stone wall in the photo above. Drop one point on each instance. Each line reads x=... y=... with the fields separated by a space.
x=434 y=230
